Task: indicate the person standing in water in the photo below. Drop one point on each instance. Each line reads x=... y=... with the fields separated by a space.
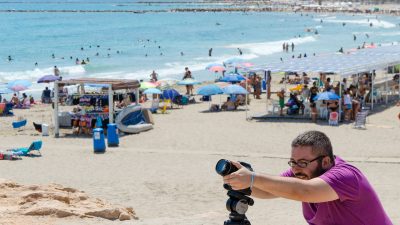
x=56 y=71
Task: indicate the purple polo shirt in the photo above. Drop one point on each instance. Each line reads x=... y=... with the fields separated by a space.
x=357 y=203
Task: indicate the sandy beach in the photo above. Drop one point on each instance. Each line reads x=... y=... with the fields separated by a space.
x=167 y=174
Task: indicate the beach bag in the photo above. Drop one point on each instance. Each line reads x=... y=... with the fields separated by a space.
x=9 y=156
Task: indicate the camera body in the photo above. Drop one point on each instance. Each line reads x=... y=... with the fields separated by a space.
x=225 y=167
x=238 y=201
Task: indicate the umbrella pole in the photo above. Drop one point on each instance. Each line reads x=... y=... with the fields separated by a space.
x=246 y=97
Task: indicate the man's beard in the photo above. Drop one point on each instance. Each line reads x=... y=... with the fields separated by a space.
x=316 y=173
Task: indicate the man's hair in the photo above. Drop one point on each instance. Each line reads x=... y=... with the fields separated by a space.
x=318 y=141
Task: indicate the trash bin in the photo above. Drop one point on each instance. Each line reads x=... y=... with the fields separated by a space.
x=45 y=129
x=112 y=135
x=99 y=144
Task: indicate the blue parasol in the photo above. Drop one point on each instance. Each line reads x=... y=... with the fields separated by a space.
x=170 y=94
x=188 y=81
x=327 y=95
x=234 y=89
x=152 y=91
x=210 y=89
x=232 y=77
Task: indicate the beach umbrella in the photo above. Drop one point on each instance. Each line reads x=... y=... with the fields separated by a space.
x=188 y=81
x=146 y=85
x=210 y=89
x=170 y=94
x=167 y=83
x=152 y=91
x=327 y=95
x=19 y=85
x=243 y=64
x=233 y=61
x=222 y=84
x=48 y=79
x=232 y=77
x=217 y=68
x=212 y=65
x=234 y=89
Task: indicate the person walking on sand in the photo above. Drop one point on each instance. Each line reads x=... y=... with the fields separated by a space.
x=187 y=75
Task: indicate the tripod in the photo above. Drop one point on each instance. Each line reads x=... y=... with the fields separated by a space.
x=237 y=204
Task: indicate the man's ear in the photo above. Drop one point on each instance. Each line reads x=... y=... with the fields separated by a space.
x=326 y=162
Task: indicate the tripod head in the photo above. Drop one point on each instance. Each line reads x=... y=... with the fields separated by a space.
x=238 y=201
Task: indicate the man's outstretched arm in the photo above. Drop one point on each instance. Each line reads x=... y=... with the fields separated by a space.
x=314 y=190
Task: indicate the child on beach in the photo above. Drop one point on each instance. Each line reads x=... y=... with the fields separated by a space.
x=281 y=96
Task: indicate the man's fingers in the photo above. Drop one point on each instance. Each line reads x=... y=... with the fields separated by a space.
x=237 y=164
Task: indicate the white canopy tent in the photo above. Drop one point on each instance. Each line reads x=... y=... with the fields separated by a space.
x=343 y=64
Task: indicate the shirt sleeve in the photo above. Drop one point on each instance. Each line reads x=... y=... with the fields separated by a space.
x=344 y=181
x=287 y=173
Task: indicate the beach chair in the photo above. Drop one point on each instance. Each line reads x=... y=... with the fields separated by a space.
x=155 y=104
x=19 y=124
x=361 y=119
x=35 y=146
x=38 y=127
x=165 y=105
x=334 y=119
x=275 y=105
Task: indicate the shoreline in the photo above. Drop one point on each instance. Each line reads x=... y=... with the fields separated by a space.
x=252 y=6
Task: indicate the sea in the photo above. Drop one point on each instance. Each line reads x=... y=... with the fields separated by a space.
x=130 y=39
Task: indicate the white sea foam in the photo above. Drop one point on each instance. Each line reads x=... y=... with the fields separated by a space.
x=35 y=74
x=375 y=22
x=389 y=33
x=268 y=48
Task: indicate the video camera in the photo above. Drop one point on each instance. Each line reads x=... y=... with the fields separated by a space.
x=238 y=201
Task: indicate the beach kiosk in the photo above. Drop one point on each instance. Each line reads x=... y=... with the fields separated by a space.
x=111 y=84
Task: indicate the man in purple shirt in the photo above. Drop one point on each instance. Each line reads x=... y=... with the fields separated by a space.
x=332 y=191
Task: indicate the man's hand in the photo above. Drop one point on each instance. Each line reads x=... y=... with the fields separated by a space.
x=240 y=179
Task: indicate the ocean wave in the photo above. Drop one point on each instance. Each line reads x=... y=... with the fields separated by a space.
x=269 y=48
x=35 y=74
x=397 y=33
x=375 y=22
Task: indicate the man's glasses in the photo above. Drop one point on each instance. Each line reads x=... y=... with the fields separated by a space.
x=302 y=163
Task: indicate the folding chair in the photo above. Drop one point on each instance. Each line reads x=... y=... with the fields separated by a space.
x=334 y=119
x=155 y=105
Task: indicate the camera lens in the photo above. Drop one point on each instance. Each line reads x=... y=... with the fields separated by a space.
x=223 y=167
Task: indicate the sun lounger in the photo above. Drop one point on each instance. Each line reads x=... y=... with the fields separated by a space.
x=35 y=146
x=19 y=124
